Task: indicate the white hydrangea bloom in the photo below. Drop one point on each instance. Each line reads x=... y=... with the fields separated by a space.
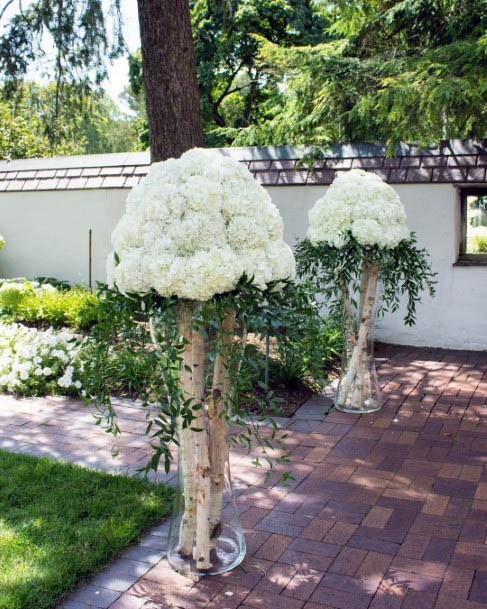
x=27 y=361
x=358 y=204
x=194 y=226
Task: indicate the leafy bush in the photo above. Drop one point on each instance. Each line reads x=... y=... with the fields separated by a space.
x=13 y=294
x=302 y=357
x=480 y=245
x=32 y=302
x=128 y=371
x=35 y=362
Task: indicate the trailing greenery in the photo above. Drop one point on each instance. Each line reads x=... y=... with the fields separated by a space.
x=403 y=270
x=304 y=344
x=76 y=307
x=60 y=522
x=123 y=328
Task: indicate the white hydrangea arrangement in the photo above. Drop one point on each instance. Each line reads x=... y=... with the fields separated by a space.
x=202 y=236
x=194 y=227
x=37 y=362
x=358 y=205
x=358 y=238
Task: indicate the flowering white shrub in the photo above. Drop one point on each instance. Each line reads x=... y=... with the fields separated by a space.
x=360 y=205
x=194 y=226
x=36 y=362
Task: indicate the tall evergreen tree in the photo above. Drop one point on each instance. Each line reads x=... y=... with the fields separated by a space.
x=398 y=70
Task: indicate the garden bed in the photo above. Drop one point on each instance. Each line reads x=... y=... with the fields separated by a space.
x=59 y=523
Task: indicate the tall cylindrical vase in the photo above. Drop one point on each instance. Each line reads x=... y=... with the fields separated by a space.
x=358 y=387
x=226 y=537
x=206 y=536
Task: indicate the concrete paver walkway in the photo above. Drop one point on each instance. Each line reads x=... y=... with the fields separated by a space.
x=386 y=511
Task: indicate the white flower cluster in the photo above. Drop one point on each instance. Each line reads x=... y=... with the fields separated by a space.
x=31 y=359
x=194 y=226
x=360 y=205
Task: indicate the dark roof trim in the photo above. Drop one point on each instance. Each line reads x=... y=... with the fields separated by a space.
x=454 y=161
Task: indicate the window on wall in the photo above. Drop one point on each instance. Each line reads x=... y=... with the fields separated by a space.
x=473 y=244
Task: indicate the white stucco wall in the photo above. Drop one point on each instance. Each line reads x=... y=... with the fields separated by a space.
x=46 y=234
x=457 y=317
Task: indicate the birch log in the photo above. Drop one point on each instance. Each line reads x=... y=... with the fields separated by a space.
x=220 y=394
x=201 y=551
x=358 y=386
x=359 y=353
x=350 y=335
x=186 y=441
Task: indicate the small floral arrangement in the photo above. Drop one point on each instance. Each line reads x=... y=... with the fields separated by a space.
x=36 y=362
x=194 y=227
x=361 y=206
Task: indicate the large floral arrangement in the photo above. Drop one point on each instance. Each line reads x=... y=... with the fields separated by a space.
x=194 y=227
x=198 y=252
x=37 y=362
x=358 y=239
x=358 y=205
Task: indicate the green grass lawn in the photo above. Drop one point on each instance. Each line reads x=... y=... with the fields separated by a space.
x=58 y=522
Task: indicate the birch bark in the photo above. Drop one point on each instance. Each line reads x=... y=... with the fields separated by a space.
x=353 y=381
x=220 y=395
x=186 y=440
x=201 y=551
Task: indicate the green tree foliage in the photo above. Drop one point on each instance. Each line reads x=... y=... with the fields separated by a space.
x=269 y=71
x=85 y=123
x=81 y=34
x=66 y=43
x=135 y=98
x=234 y=87
x=406 y=70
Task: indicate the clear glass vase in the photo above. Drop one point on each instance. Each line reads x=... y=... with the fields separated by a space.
x=227 y=540
x=206 y=536
x=358 y=386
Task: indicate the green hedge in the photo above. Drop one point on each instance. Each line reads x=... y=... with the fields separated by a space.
x=25 y=302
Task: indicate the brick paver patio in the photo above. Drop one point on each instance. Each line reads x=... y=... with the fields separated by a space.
x=386 y=511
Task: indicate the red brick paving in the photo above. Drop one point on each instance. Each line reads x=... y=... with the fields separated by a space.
x=387 y=511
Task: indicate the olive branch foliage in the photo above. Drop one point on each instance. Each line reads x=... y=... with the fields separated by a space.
x=129 y=320
x=405 y=270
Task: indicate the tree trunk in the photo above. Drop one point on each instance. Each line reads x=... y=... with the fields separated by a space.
x=171 y=87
